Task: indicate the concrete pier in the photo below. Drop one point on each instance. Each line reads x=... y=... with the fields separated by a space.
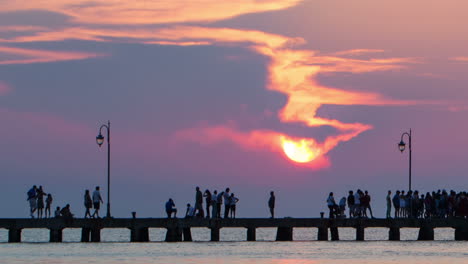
x=180 y=229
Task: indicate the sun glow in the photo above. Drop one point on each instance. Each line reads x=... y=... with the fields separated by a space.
x=302 y=151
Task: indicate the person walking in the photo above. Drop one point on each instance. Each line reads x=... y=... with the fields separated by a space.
x=227 y=204
x=271 y=204
x=199 y=203
x=49 y=200
x=32 y=200
x=389 y=204
x=88 y=203
x=233 y=201
x=97 y=200
x=207 y=196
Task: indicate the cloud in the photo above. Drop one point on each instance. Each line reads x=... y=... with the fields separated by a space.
x=148 y=12
x=459 y=59
x=27 y=56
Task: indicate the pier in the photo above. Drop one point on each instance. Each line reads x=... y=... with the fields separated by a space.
x=179 y=229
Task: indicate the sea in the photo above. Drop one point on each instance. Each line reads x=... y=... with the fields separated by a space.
x=233 y=249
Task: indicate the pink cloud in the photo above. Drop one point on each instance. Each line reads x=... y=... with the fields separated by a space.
x=27 y=56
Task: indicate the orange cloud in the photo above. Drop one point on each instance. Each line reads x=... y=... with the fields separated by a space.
x=148 y=12
x=26 y=56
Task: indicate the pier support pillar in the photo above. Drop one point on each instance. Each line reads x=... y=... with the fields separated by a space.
x=140 y=234
x=85 y=234
x=187 y=234
x=251 y=234
x=322 y=234
x=14 y=235
x=461 y=234
x=394 y=234
x=284 y=234
x=95 y=235
x=359 y=233
x=426 y=233
x=174 y=235
x=55 y=235
x=215 y=234
x=334 y=234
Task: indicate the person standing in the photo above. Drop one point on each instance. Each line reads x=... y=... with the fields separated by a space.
x=367 y=199
x=351 y=204
x=207 y=196
x=199 y=203
x=97 y=200
x=271 y=204
x=342 y=207
x=32 y=200
x=233 y=201
x=40 y=201
x=227 y=203
x=389 y=204
x=219 y=202
x=214 y=204
x=88 y=203
x=396 y=204
x=331 y=205
x=49 y=200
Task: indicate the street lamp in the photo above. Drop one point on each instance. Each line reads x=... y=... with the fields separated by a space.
x=100 y=141
x=402 y=146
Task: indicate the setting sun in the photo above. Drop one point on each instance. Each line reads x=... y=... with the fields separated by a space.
x=302 y=151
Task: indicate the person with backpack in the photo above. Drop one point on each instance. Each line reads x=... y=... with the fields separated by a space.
x=32 y=193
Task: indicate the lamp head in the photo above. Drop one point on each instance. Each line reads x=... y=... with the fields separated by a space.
x=100 y=140
x=402 y=146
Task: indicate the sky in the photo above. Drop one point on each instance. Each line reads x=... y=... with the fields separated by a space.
x=301 y=97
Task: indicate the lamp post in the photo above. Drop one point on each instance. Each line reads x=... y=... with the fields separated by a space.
x=100 y=141
x=402 y=146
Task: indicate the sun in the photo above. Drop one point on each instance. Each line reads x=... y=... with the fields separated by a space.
x=302 y=151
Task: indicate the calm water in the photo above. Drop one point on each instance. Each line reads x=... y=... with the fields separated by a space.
x=234 y=249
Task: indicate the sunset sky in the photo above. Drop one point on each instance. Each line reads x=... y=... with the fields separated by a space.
x=299 y=97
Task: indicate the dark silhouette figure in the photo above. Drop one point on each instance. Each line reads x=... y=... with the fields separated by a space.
x=32 y=199
x=219 y=202
x=88 y=203
x=227 y=202
x=331 y=205
x=351 y=204
x=97 y=200
x=233 y=201
x=190 y=212
x=271 y=204
x=66 y=214
x=199 y=203
x=170 y=208
x=207 y=196
x=40 y=201
x=57 y=212
x=49 y=200
x=214 y=204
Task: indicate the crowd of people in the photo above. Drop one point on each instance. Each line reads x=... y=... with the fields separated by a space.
x=213 y=203
x=358 y=203
x=36 y=202
x=440 y=204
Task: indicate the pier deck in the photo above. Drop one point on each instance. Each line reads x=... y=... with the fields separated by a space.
x=178 y=229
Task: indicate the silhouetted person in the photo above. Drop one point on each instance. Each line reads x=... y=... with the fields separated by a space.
x=97 y=200
x=170 y=208
x=88 y=203
x=232 y=202
x=219 y=202
x=271 y=204
x=66 y=214
x=214 y=203
x=367 y=200
x=227 y=203
x=351 y=204
x=199 y=202
x=389 y=204
x=32 y=199
x=57 y=212
x=49 y=200
x=40 y=201
x=190 y=212
x=331 y=205
x=396 y=203
x=207 y=196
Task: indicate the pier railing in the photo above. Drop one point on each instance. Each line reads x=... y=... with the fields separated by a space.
x=179 y=229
